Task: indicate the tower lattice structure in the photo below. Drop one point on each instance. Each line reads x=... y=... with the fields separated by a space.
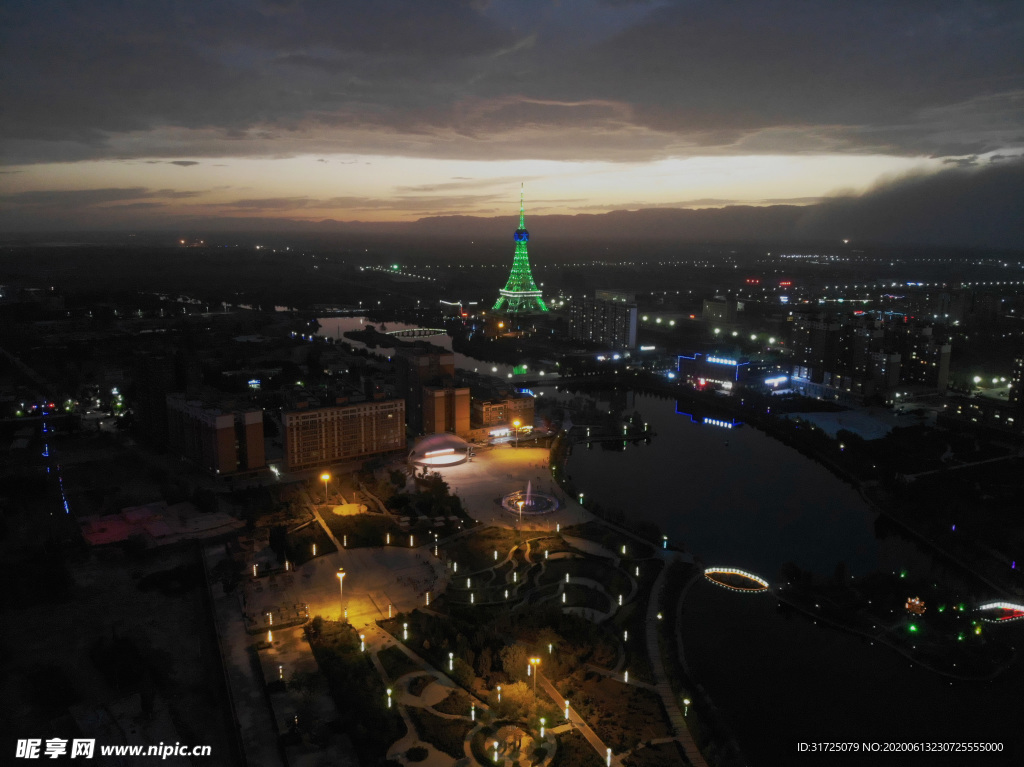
x=520 y=294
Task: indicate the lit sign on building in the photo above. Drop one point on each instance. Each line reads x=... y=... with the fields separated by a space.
x=776 y=381
x=722 y=361
x=717 y=422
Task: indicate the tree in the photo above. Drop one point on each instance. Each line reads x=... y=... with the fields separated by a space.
x=397 y=479
x=514 y=661
x=462 y=673
x=484 y=661
x=517 y=702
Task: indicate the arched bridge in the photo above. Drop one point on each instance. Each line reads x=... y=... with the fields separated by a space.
x=417 y=332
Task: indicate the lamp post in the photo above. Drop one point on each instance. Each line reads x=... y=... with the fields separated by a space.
x=341 y=588
x=535 y=662
x=542 y=728
x=686 y=706
x=517 y=423
x=520 y=505
x=326 y=478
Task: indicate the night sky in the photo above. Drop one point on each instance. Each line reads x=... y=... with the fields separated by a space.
x=147 y=114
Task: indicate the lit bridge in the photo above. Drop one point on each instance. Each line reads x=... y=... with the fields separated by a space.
x=417 y=332
x=735 y=579
x=1001 y=611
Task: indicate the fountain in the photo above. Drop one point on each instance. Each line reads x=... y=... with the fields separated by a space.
x=529 y=503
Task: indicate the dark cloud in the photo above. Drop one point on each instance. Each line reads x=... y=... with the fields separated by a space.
x=72 y=198
x=957 y=206
x=614 y=80
x=269 y=203
x=184 y=163
x=962 y=162
x=81 y=198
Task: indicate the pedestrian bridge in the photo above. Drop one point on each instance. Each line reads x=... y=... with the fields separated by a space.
x=417 y=332
x=734 y=579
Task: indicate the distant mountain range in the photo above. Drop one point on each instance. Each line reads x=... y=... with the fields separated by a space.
x=969 y=207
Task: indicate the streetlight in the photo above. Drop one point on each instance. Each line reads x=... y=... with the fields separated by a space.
x=686 y=706
x=535 y=661
x=326 y=478
x=517 y=424
x=520 y=504
x=451 y=661
x=542 y=728
x=341 y=586
x=567 y=711
x=499 y=693
x=389 y=697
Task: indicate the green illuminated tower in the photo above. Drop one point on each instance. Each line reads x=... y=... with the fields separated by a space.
x=520 y=294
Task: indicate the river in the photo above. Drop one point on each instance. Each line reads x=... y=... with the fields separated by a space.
x=735 y=497
x=336 y=327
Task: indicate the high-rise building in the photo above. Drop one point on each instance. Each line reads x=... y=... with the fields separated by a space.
x=319 y=436
x=520 y=294
x=814 y=341
x=419 y=366
x=1016 y=395
x=216 y=435
x=720 y=310
x=503 y=409
x=446 y=409
x=154 y=376
x=608 y=319
x=925 y=360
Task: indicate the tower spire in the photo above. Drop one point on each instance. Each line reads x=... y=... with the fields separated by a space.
x=520 y=294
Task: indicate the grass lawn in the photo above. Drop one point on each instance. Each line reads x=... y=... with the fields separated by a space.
x=614 y=581
x=357 y=690
x=661 y=755
x=621 y=714
x=446 y=735
x=574 y=751
x=361 y=530
x=418 y=684
x=458 y=702
x=583 y=596
x=396 y=663
x=300 y=543
x=476 y=551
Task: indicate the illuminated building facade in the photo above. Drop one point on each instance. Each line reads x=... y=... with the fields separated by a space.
x=446 y=409
x=219 y=438
x=607 y=319
x=702 y=369
x=318 y=436
x=520 y=294
x=417 y=367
